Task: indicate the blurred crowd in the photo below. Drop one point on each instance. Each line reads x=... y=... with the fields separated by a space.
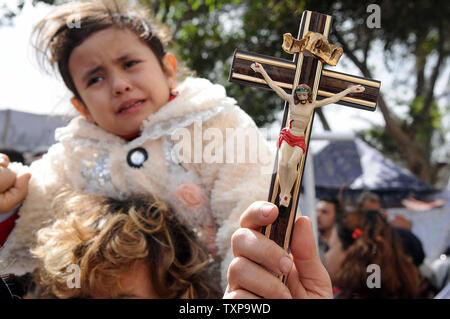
x=357 y=244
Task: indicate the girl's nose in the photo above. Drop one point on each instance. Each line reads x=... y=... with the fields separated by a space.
x=121 y=85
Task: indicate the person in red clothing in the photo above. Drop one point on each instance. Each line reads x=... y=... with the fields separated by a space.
x=13 y=190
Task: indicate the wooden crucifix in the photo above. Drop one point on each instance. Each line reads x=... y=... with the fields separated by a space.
x=299 y=78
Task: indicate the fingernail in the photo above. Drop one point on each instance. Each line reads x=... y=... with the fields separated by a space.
x=285 y=265
x=266 y=209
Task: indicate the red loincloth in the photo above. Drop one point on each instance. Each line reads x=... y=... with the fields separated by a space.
x=292 y=140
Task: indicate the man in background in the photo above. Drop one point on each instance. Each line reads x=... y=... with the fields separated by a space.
x=327 y=210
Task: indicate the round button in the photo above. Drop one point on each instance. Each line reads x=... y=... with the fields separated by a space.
x=137 y=157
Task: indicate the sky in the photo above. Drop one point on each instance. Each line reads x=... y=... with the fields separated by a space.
x=24 y=87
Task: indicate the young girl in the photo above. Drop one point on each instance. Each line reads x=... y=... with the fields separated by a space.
x=127 y=140
x=108 y=248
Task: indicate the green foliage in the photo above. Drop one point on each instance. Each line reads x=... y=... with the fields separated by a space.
x=206 y=33
x=379 y=137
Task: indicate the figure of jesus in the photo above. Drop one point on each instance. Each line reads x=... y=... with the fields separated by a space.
x=291 y=142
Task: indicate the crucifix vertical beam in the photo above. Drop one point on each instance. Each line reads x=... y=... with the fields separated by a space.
x=308 y=70
x=305 y=68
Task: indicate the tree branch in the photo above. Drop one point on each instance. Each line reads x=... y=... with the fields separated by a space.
x=428 y=101
x=350 y=54
x=323 y=119
x=420 y=66
x=367 y=47
x=435 y=74
x=391 y=124
x=407 y=146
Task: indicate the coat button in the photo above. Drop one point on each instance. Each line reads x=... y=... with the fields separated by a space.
x=137 y=157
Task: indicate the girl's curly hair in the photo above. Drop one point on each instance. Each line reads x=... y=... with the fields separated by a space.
x=106 y=238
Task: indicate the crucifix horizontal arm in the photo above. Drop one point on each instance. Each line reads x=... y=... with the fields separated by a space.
x=283 y=73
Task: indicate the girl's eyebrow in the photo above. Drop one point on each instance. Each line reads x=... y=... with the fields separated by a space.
x=123 y=57
x=91 y=72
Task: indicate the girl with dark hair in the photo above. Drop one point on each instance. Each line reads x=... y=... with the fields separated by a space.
x=136 y=130
x=361 y=244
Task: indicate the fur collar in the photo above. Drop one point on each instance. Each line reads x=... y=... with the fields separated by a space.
x=197 y=99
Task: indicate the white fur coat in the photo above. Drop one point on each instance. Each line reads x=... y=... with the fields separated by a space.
x=183 y=156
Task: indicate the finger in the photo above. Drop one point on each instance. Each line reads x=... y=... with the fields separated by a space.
x=256 y=247
x=303 y=245
x=22 y=180
x=8 y=200
x=259 y=214
x=317 y=286
x=4 y=160
x=239 y=294
x=244 y=274
x=308 y=269
x=12 y=197
x=7 y=179
x=17 y=193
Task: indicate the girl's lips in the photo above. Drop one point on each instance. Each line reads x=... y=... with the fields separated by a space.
x=135 y=107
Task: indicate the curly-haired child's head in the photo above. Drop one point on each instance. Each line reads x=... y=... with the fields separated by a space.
x=134 y=248
x=113 y=60
x=364 y=238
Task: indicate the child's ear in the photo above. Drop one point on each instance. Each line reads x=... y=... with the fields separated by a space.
x=82 y=109
x=170 y=69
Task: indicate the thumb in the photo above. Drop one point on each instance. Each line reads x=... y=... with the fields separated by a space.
x=311 y=273
x=4 y=160
x=303 y=247
x=16 y=193
x=22 y=180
